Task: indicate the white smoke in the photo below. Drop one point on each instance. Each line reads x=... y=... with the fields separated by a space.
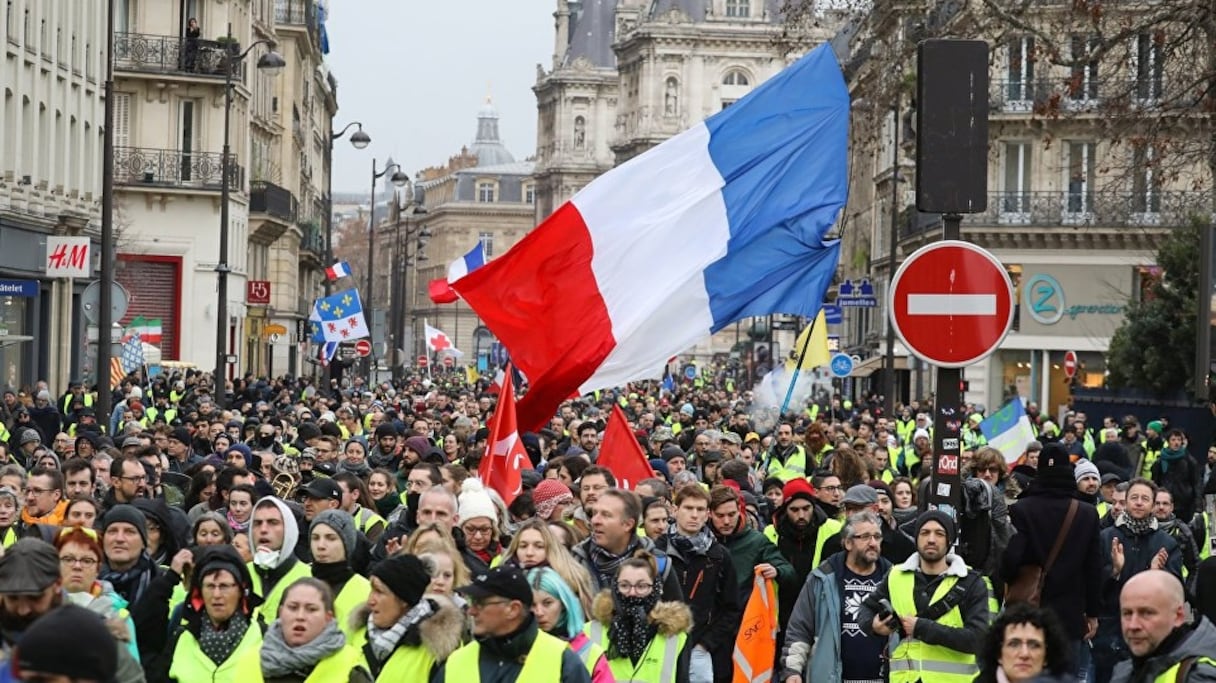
x=769 y=394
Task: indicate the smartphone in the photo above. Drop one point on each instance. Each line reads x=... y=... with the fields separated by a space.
x=887 y=610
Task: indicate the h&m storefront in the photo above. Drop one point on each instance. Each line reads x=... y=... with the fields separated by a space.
x=1060 y=308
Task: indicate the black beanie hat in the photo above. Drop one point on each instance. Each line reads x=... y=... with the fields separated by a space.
x=129 y=514
x=940 y=517
x=1055 y=466
x=406 y=576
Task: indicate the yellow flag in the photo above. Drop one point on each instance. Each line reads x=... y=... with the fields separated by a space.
x=816 y=335
x=471 y=374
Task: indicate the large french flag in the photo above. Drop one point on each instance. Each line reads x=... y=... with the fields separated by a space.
x=724 y=221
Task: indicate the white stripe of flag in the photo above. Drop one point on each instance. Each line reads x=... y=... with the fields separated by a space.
x=951 y=304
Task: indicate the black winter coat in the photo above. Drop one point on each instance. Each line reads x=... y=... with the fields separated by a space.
x=711 y=590
x=1073 y=584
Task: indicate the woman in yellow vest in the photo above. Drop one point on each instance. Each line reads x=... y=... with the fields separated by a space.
x=404 y=633
x=304 y=645
x=332 y=541
x=559 y=613
x=641 y=636
x=217 y=628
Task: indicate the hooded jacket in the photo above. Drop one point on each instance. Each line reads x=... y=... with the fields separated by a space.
x=670 y=617
x=812 y=638
x=1197 y=642
x=439 y=635
x=271 y=576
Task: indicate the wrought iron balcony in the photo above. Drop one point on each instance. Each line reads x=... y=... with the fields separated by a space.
x=174 y=54
x=313 y=239
x=148 y=167
x=1081 y=92
x=273 y=200
x=298 y=13
x=1079 y=208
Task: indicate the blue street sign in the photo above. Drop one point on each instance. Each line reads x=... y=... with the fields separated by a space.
x=858 y=294
x=25 y=288
x=842 y=365
x=690 y=371
x=832 y=314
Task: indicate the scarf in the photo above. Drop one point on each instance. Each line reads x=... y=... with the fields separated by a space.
x=281 y=660
x=631 y=630
x=52 y=518
x=605 y=563
x=219 y=643
x=1137 y=527
x=384 y=641
x=1169 y=455
x=690 y=545
x=361 y=470
x=335 y=574
x=386 y=505
x=132 y=583
x=237 y=527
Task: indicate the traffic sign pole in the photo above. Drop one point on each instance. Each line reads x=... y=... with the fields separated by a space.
x=946 y=481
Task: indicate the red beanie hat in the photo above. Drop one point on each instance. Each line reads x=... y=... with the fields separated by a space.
x=799 y=487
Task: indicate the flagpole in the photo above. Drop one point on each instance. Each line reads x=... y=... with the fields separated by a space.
x=789 y=395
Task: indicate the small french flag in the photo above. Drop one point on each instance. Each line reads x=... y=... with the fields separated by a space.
x=337 y=271
x=440 y=290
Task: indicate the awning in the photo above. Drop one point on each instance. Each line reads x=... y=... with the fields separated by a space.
x=873 y=364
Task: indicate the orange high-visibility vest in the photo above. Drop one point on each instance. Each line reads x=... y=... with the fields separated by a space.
x=756 y=644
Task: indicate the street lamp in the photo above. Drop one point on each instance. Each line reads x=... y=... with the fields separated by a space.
x=402 y=261
x=272 y=63
x=359 y=140
x=398 y=179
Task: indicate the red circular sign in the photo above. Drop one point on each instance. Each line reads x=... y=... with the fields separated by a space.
x=448 y=361
x=1070 y=364
x=363 y=347
x=422 y=361
x=951 y=303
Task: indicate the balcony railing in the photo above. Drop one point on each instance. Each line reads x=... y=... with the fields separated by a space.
x=173 y=54
x=1082 y=92
x=313 y=238
x=1079 y=208
x=148 y=167
x=271 y=199
x=298 y=13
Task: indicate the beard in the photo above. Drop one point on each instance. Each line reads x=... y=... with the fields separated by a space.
x=12 y=623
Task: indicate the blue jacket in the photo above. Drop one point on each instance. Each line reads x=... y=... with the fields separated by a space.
x=812 y=638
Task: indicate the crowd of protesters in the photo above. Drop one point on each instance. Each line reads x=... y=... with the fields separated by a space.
x=287 y=531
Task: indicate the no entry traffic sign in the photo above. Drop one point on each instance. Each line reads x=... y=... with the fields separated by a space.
x=1070 y=364
x=951 y=303
x=363 y=347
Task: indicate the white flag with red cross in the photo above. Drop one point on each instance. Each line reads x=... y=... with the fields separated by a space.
x=438 y=341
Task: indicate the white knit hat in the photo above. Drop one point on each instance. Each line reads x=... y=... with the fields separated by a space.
x=475 y=502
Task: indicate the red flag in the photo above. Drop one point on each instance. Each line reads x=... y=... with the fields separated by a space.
x=441 y=291
x=500 y=467
x=621 y=453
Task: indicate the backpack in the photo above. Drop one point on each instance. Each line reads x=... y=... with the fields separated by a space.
x=981 y=538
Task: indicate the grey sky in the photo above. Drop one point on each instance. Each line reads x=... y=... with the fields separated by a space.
x=415 y=73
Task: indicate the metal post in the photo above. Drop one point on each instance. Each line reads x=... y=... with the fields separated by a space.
x=369 y=303
x=221 y=266
x=395 y=311
x=945 y=488
x=105 y=315
x=888 y=389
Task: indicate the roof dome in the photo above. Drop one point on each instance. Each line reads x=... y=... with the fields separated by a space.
x=487 y=146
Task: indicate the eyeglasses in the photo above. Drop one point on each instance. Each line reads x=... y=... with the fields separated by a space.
x=478 y=530
x=990 y=468
x=82 y=561
x=831 y=488
x=869 y=537
x=37 y=491
x=219 y=587
x=139 y=479
x=634 y=587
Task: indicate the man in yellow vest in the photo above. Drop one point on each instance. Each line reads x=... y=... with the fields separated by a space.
x=508 y=645
x=1165 y=649
x=273 y=536
x=785 y=459
x=933 y=608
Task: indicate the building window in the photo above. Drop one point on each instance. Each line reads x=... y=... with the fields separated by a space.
x=487 y=243
x=529 y=194
x=1081 y=172
x=486 y=191
x=738 y=8
x=1083 y=83
x=727 y=103
x=1148 y=60
x=1146 y=182
x=1015 y=198
x=1019 y=75
x=735 y=78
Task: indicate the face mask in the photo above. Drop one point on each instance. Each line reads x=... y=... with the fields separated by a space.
x=411 y=508
x=265 y=441
x=266 y=559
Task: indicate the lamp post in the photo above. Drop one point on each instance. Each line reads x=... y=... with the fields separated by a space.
x=272 y=63
x=399 y=179
x=358 y=140
x=400 y=289
x=105 y=317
